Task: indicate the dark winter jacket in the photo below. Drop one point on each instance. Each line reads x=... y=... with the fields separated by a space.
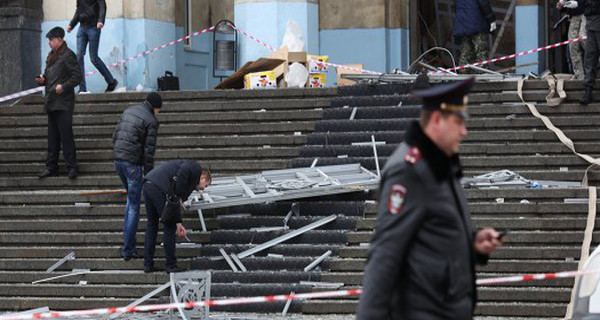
x=187 y=172
x=134 y=139
x=421 y=261
x=89 y=13
x=592 y=8
x=472 y=17
x=61 y=68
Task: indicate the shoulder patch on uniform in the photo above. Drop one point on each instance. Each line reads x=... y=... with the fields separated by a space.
x=413 y=155
x=397 y=195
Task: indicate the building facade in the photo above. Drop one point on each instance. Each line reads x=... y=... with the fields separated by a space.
x=380 y=34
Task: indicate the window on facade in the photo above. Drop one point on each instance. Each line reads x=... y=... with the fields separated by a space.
x=187 y=22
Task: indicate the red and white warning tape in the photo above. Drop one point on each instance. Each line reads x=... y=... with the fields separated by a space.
x=112 y=65
x=271 y=298
x=519 y=54
x=266 y=45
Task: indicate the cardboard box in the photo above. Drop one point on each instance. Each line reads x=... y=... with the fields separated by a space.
x=317 y=80
x=346 y=82
x=236 y=80
x=299 y=57
x=260 y=80
x=318 y=64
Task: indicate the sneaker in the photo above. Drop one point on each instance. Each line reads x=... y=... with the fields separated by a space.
x=111 y=86
x=174 y=269
x=47 y=173
x=73 y=173
x=85 y=92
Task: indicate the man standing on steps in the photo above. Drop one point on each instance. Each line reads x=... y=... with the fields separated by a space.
x=60 y=77
x=592 y=48
x=90 y=14
x=473 y=22
x=576 y=30
x=134 y=142
x=422 y=257
x=180 y=177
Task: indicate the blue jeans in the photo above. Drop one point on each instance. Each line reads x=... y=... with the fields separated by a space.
x=91 y=35
x=131 y=176
x=155 y=202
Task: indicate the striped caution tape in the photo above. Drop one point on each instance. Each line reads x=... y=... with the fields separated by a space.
x=271 y=48
x=112 y=65
x=272 y=298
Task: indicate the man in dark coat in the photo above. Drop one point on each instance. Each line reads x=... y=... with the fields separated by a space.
x=134 y=143
x=473 y=22
x=60 y=77
x=91 y=14
x=189 y=176
x=592 y=48
x=577 y=23
x=422 y=257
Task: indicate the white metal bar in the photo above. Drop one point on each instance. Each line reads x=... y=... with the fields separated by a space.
x=376 y=157
x=144 y=298
x=201 y=217
x=238 y=262
x=75 y=273
x=324 y=175
x=229 y=262
x=315 y=263
x=70 y=256
x=353 y=114
x=287 y=305
x=314 y=163
x=286 y=237
x=247 y=189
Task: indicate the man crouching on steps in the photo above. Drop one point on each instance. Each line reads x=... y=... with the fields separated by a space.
x=189 y=176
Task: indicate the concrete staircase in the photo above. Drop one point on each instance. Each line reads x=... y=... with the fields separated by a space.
x=546 y=234
x=244 y=131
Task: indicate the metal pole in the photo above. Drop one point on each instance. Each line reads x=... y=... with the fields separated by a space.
x=375 y=154
x=286 y=237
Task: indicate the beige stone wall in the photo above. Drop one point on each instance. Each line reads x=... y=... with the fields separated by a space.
x=163 y=10
x=205 y=13
x=358 y=14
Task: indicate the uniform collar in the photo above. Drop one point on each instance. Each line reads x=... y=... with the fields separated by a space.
x=442 y=166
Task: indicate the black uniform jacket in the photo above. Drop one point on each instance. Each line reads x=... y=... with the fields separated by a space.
x=89 y=13
x=134 y=139
x=421 y=259
x=187 y=172
x=61 y=68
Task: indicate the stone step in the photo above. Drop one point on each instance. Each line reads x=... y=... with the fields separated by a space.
x=99 y=168
x=168 y=117
x=87 y=238
x=468 y=149
x=205 y=154
x=106 y=131
x=167 y=142
x=494 y=265
x=500 y=309
x=507 y=251
x=516 y=237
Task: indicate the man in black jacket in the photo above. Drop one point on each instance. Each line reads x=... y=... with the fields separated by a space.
x=422 y=257
x=592 y=48
x=60 y=77
x=576 y=30
x=134 y=144
x=189 y=176
x=91 y=14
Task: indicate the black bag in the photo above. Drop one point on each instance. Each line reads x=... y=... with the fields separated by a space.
x=168 y=82
x=171 y=213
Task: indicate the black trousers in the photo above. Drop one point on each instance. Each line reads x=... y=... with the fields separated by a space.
x=155 y=199
x=60 y=132
x=590 y=63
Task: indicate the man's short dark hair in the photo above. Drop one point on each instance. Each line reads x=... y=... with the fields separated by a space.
x=154 y=99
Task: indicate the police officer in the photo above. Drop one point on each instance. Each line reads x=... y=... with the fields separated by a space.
x=592 y=48
x=422 y=258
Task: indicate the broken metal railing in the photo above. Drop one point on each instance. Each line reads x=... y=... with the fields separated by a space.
x=510 y=179
x=286 y=184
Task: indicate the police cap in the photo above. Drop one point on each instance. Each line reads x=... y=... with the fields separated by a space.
x=56 y=32
x=447 y=97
